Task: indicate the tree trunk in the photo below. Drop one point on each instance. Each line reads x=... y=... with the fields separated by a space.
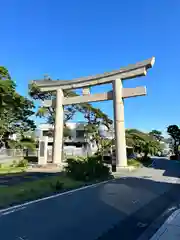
x=175 y=148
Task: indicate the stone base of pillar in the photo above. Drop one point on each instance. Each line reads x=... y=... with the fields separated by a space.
x=59 y=160
x=62 y=165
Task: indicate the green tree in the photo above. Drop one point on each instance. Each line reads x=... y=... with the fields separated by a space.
x=24 y=143
x=174 y=132
x=157 y=135
x=150 y=147
x=66 y=132
x=15 y=110
x=142 y=142
x=134 y=137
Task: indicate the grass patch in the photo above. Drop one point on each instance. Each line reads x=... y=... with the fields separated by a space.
x=13 y=167
x=11 y=195
x=7 y=170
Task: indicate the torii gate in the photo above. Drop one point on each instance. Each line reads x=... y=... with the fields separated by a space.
x=117 y=95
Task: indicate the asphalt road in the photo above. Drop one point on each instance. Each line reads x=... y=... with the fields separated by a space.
x=120 y=209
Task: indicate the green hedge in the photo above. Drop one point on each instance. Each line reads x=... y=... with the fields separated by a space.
x=88 y=169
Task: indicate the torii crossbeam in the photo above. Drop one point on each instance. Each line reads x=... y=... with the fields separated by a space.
x=117 y=95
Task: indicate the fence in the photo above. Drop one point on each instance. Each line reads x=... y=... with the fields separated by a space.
x=8 y=154
x=69 y=152
x=75 y=152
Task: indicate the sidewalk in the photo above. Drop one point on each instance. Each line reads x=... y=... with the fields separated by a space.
x=170 y=229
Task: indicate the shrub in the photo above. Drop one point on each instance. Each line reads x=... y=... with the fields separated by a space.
x=57 y=185
x=14 y=163
x=22 y=163
x=90 y=169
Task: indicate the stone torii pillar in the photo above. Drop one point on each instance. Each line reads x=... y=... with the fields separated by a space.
x=120 y=139
x=58 y=127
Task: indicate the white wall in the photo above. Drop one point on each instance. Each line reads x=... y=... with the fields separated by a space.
x=71 y=125
x=74 y=127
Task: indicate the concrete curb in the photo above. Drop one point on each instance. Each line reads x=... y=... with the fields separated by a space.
x=157 y=224
x=164 y=227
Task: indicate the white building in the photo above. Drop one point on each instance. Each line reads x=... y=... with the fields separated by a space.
x=77 y=143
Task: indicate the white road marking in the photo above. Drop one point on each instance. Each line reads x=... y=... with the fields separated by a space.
x=24 y=205
x=13 y=210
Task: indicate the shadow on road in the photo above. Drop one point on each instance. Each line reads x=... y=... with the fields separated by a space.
x=141 y=202
x=171 y=167
x=123 y=208
x=120 y=209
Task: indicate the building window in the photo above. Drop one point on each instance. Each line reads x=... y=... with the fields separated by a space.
x=50 y=143
x=47 y=133
x=73 y=144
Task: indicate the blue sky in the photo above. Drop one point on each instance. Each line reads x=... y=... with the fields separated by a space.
x=68 y=39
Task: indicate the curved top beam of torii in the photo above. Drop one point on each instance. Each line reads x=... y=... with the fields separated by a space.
x=131 y=71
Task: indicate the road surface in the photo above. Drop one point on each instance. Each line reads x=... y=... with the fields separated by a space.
x=119 y=209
